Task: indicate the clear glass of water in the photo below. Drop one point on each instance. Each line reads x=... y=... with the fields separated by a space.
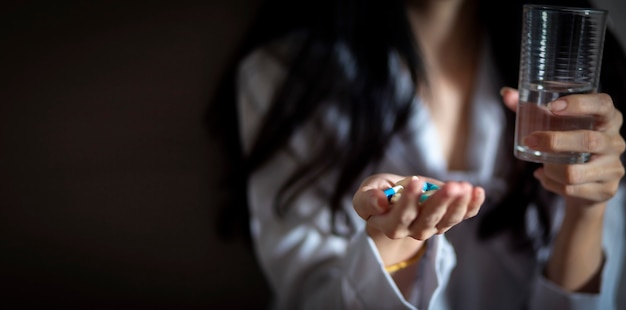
x=561 y=54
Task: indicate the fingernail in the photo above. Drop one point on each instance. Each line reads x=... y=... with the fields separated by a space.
x=503 y=90
x=558 y=105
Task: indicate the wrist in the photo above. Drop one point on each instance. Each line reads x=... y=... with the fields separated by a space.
x=393 y=251
x=408 y=262
x=592 y=212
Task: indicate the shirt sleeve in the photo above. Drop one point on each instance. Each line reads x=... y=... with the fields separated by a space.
x=307 y=266
x=547 y=295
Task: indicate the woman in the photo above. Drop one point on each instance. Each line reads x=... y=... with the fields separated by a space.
x=339 y=100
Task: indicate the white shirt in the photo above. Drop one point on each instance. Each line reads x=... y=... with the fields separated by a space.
x=308 y=267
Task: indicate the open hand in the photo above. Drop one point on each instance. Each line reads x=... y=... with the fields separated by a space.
x=450 y=205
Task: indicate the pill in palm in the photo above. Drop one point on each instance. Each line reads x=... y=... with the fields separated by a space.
x=394 y=193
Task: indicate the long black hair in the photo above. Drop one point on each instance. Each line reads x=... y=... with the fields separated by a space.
x=345 y=56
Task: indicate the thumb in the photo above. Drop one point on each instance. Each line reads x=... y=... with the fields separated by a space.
x=510 y=96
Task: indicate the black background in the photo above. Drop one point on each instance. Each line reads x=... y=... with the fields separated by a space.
x=107 y=176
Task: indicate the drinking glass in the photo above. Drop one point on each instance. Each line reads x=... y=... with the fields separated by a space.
x=561 y=54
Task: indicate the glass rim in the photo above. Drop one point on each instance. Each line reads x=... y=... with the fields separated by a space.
x=570 y=9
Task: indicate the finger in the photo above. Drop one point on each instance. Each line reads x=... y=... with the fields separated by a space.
x=455 y=213
x=478 y=198
x=370 y=202
x=433 y=210
x=405 y=210
x=369 y=199
x=599 y=169
x=586 y=141
x=510 y=97
x=594 y=191
x=599 y=105
x=395 y=224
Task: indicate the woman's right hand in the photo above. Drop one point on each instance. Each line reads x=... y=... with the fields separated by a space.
x=394 y=227
x=450 y=205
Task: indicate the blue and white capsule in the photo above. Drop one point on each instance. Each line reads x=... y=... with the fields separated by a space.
x=394 y=193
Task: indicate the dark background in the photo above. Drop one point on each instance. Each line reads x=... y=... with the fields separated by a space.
x=108 y=180
x=107 y=175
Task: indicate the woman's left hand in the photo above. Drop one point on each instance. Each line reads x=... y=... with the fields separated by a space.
x=591 y=183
